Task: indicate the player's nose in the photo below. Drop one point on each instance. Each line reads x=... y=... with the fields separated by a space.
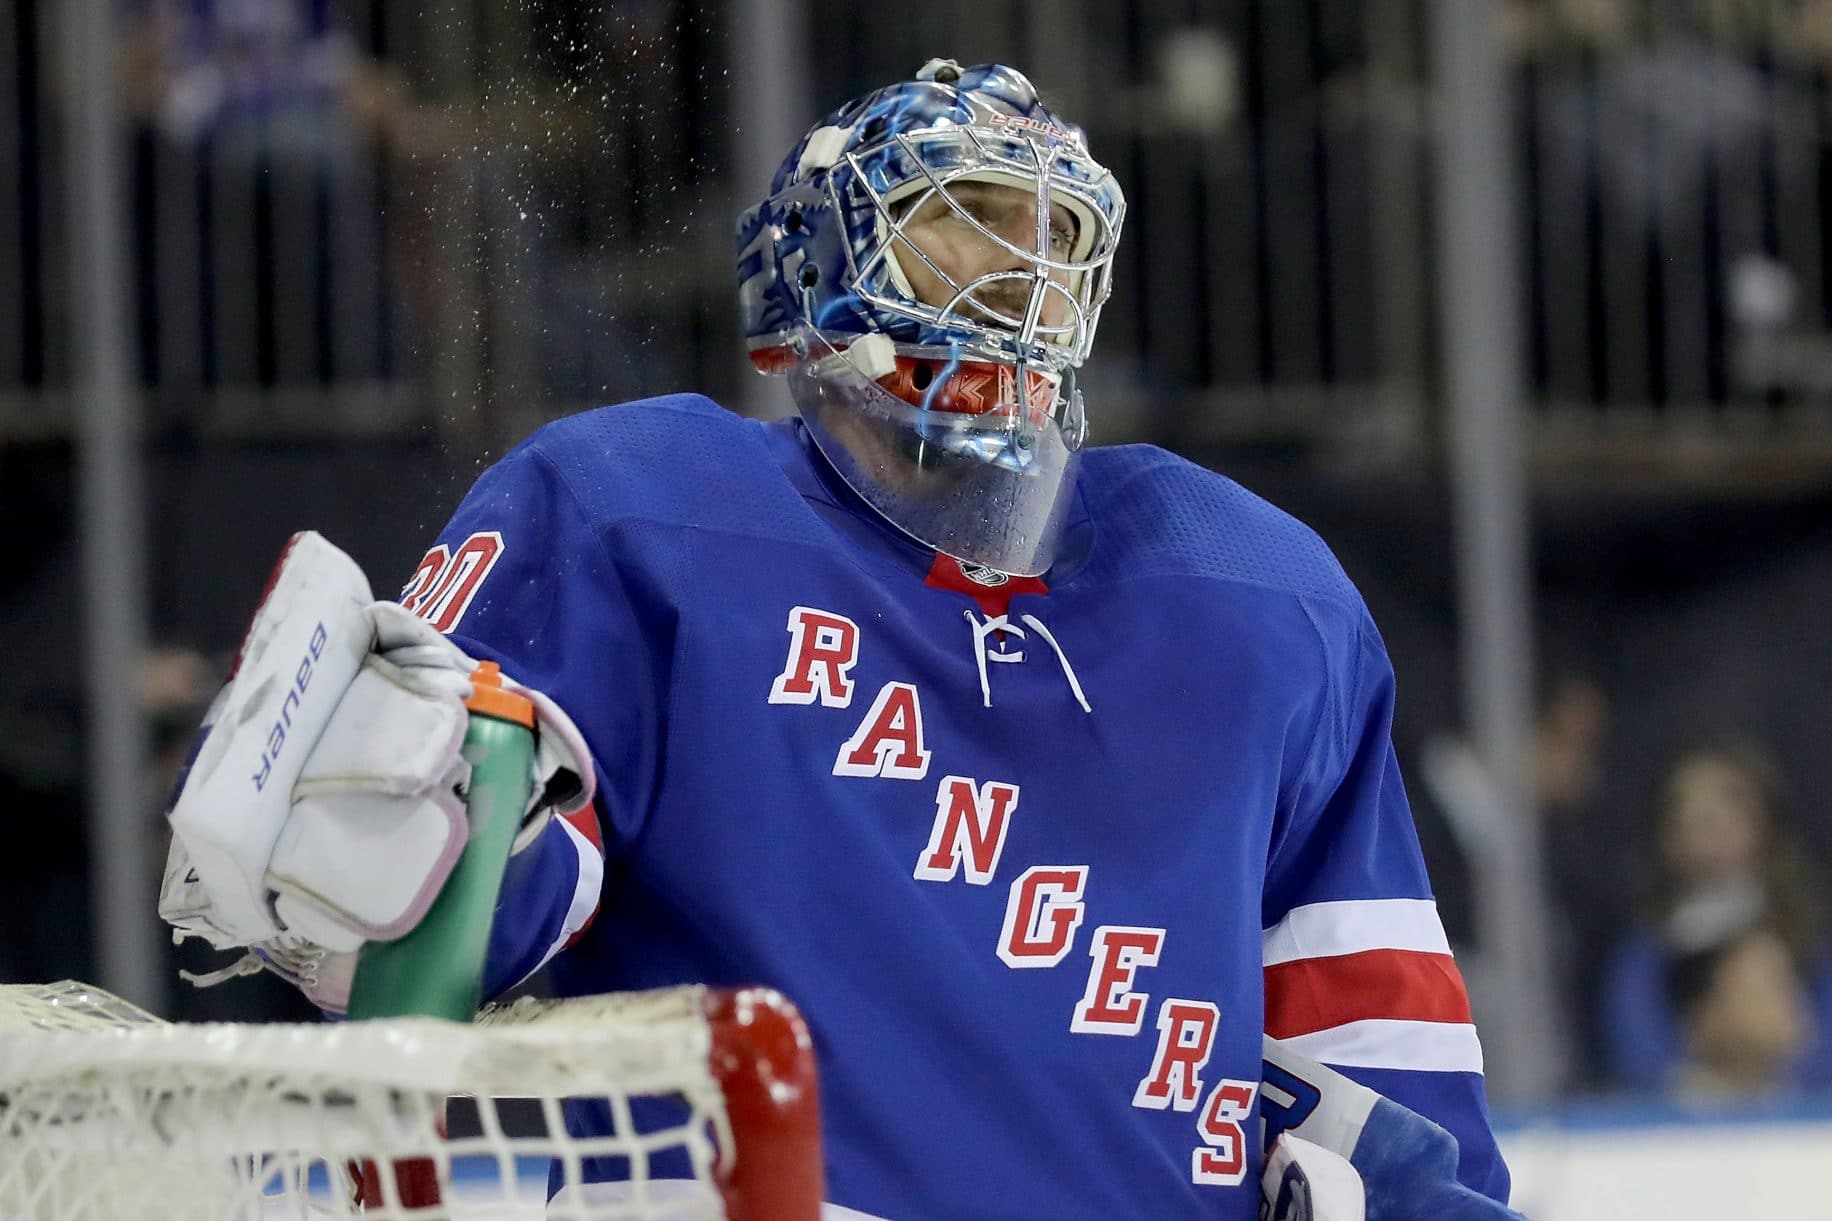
x=1009 y=255
x=1018 y=246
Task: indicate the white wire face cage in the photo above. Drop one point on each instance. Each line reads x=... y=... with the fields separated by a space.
x=952 y=411
x=903 y=174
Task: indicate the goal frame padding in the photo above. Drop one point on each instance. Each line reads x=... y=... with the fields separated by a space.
x=748 y=1047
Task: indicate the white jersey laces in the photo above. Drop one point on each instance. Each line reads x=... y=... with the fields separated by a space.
x=983 y=654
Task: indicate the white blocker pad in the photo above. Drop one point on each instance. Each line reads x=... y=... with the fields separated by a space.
x=302 y=651
x=1306 y=1182
x=378 y=818
x=1405 y=1165
x=326 y=800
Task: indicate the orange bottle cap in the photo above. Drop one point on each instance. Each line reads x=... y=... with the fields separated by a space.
x=490 y=698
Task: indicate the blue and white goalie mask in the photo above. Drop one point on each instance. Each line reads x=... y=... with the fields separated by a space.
x=928 y=271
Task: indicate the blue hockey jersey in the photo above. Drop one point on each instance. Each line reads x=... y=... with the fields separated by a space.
x=1039 y=859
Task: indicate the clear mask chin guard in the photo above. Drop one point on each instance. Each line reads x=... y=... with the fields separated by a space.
x=942 y=447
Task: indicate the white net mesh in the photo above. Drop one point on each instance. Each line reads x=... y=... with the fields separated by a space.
x=108 y=1113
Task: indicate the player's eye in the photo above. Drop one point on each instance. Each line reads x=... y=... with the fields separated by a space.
x=977 y=209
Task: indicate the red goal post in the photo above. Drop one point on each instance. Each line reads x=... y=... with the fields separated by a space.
x=107 y=1112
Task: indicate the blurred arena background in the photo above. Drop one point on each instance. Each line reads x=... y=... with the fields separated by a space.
x=1524 y=304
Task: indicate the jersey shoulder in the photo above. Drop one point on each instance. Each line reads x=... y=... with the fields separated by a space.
x=1157 y=514
x=673 y=460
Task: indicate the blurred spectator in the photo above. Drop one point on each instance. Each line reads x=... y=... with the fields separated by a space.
x=1726 y=863
x=263 y=78
x=1453 y=801
x=1458 y=817
x=1636 y=118
x=1584 y=886
x=175 y=687
x=1743 y=1013
x=545 y=173
x=257 y=197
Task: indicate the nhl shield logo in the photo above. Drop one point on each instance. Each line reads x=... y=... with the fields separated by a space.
x=991 y=578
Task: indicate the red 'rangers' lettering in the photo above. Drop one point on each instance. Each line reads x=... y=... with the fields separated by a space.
x=1042 y=914
x=1223 y=1160
x=1110 y=1006
x=823 y=648
x=888 y=741
x=1186 y=1039
x=969 y=832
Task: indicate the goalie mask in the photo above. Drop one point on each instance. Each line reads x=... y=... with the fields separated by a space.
x=945 y=398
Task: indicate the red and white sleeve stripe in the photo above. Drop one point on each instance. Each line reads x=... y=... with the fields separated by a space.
x=582 y=831
x=1369 y=983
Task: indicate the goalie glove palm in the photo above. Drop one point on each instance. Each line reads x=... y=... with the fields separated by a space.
x=307 y=853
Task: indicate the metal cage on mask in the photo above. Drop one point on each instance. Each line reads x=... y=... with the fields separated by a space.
x=903 y=174
x=956 y=419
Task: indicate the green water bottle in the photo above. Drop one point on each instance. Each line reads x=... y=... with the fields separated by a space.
x=436 y=970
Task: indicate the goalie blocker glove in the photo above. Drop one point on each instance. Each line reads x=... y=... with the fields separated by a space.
x=322 y=806
x=1338 y=1151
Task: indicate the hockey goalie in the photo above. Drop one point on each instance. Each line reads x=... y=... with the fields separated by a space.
x=1052 y=781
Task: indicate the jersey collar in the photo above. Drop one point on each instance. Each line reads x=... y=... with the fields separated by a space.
x=992 y=590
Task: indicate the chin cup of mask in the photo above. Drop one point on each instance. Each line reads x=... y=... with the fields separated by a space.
x=964 y=468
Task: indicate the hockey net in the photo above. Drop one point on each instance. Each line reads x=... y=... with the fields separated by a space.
x=705 y=1100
